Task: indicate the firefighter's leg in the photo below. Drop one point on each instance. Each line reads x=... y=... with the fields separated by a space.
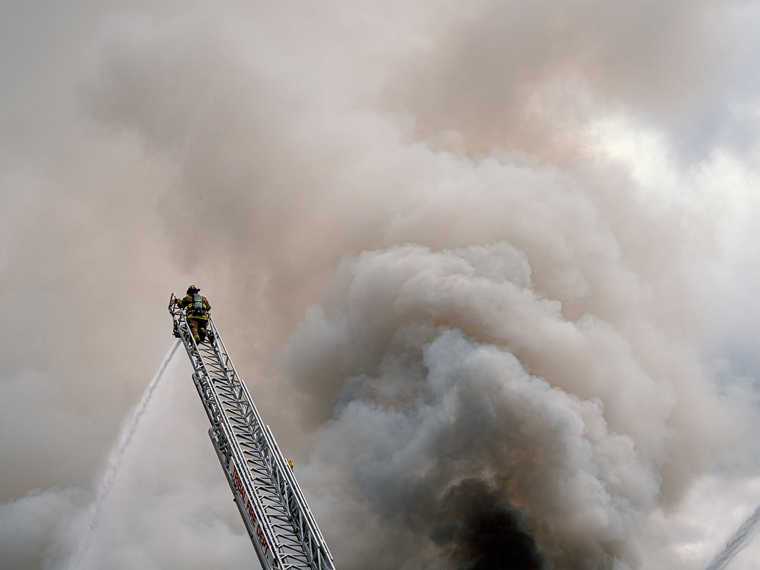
x=193 y=324
x=202 y=325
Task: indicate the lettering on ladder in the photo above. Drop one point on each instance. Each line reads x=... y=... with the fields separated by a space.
x=251 y=513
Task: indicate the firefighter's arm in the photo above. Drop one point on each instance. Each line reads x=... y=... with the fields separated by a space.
x=208 y=305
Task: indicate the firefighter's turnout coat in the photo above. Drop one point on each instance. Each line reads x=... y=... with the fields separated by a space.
x=187 y=301
x=197 y=314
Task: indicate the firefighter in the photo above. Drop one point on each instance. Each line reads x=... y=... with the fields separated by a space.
x=196 y=307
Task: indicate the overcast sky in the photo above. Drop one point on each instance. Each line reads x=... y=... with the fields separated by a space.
x=489 y=269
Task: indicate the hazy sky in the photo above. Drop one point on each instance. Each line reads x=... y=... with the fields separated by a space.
x=488 y=268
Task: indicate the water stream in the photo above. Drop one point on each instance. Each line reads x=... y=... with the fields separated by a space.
x=737 y=542
x=115 y=459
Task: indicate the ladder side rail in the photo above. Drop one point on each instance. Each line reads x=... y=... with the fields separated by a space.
x=288 y=543
x=297 y=514
x=283 y=472
x=200 y=373
x=228 y=393
x=265 y=451
x=281 y=469
x=239 y=501
x=223 y=425
x=300 y=497
x=252 y=522
x=248 y=499
x=303 y=508
x=244 y=389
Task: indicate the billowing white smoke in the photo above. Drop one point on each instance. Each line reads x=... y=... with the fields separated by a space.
x=475 y=423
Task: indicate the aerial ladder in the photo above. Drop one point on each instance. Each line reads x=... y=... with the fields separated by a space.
x=274 y=510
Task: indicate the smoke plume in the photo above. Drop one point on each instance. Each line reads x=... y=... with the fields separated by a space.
x=453 y=381
x=488 y=269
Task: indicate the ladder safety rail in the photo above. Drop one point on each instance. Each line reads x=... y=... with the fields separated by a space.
x=282 y=527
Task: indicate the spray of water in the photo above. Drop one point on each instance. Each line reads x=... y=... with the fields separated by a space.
x=115 y=459
x=737 y=543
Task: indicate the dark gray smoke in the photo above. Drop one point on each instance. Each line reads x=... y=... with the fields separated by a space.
x=481 y=531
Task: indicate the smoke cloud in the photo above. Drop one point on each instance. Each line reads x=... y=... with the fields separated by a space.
x=486 y=269
x=425 y=355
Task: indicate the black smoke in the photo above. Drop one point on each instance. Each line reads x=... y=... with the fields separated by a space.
x=481 y=531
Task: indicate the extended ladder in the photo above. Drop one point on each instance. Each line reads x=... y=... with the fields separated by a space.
x=282 y=528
